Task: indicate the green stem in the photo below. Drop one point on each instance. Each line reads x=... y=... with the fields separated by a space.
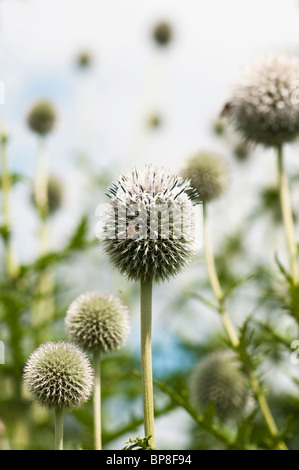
x=58 y=429
x=287 y=215
x=146 y=358
x=97 y=400
x=232 y=334
x=265 y=410
x=210 y=260
x=41 y=180
x=6 y=186
x=44 y=306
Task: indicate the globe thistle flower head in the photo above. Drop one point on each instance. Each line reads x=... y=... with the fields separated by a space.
x=263 y=106
x=59 y=375
x=208 y=174
x=218 y=379
x=97 y=322
x=42 y=117
x=148 y=229
x=162 y=34
x=55 y=195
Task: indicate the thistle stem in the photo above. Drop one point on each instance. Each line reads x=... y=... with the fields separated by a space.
x=41 y=180
x=6 y=186
x=97 y=400
x=210 y=260
x=232 y=334
x=287 y=215
x=58 y=429
x=44 y=306
x=146 y=358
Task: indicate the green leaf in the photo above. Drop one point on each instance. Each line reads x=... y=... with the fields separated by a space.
x=79 y=237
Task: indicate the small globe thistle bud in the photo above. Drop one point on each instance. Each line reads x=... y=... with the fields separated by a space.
x=270 y=203
x=263 y=106
x=162 y=34
x=208 y=174
x=59 y=375
x=4 y=138
x=219 y=126
x=97 y=322
x=42 y=117
x=218 y=379
x=242 y=150
x=84 y=60
x=149 y=229
x=154 y=121
x=55 y=195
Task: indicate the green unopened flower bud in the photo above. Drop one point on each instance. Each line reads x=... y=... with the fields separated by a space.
x=42 y=117
x=55 y=195
x=4 y=138
x=154 y=121
x=97 y=322
x=59 y=375
x=242 y=150
x=219 y=126
x=208 y=174
x=84 y=60
x=162 y=34
x=218 y=379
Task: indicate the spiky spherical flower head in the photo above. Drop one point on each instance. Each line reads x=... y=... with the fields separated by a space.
x=264 y=107
x=162 y=33
x=55 y=195
x=149 y=225
x=42 y=117
x=59 y=375
x=97 y=322
x=218 y=380
x=208 y=174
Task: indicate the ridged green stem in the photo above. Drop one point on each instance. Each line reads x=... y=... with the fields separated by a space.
x=44 y=306
x=11 y=268
x=58 y=429
x=97 y=400
x=210 y=261
x=146 y=358
x=287 y=215
x=41 y=180
x=232 y=334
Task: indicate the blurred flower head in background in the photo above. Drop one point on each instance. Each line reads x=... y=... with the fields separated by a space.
x=218 y=380
x=162 y=33
x=42 y=117
x=264 y=105
x=208 y=173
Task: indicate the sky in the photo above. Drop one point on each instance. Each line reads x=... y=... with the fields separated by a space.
x=103 y=112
